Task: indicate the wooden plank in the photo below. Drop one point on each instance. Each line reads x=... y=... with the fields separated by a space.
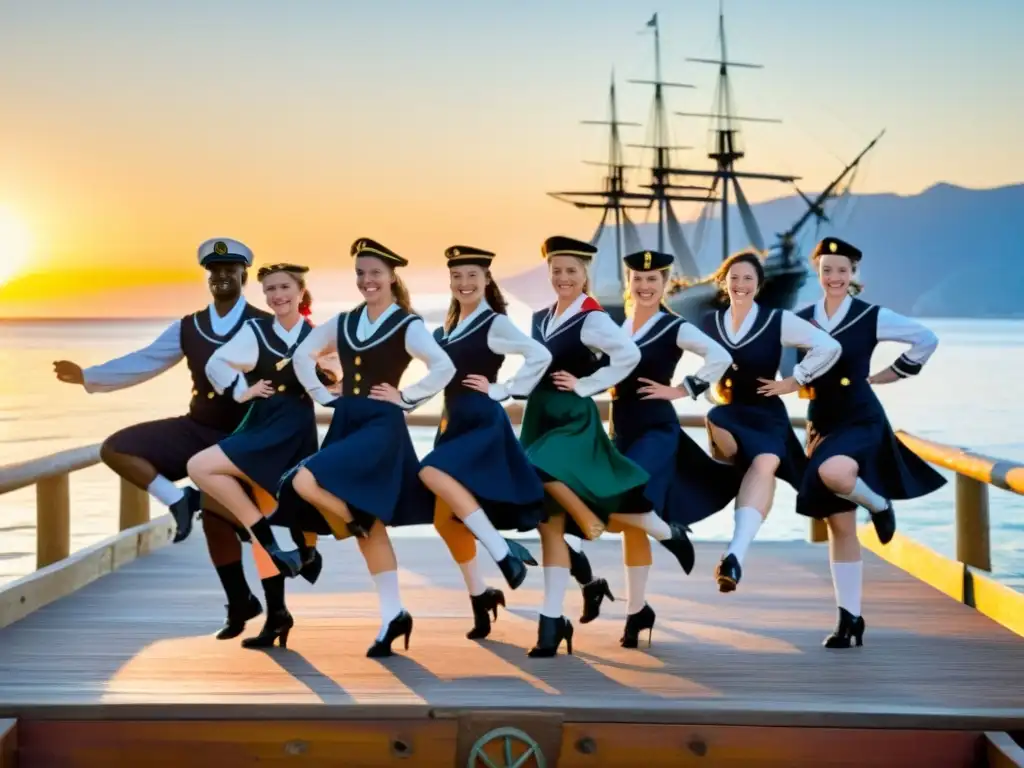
x=8 y=744
x=30 y=593
x=232 y=742
x=919 y=561
x=1002 y=751
x=610 y=745
x=138 y=645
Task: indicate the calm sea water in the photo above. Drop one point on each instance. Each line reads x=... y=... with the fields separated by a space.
x=961 y=398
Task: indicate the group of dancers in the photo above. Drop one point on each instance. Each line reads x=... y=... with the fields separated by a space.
x=249 y=440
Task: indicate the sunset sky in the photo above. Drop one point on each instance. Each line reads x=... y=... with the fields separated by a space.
x=133 y=130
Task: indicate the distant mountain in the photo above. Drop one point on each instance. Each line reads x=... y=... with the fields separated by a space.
x=946 y=252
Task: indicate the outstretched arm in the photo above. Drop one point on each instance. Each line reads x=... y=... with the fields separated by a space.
x=128 y=370
x=922 y=340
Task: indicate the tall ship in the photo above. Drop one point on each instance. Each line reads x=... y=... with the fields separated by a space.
x=717 y=189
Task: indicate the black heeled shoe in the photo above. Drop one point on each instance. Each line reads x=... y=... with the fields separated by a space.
x=849 y=631
x=289 y=563
x=312 y=564
x=885 y=523
x=594 y=594
x=728 y=573
x=550 y=634
x=579 y=567
x=183 y=511
x=277 y=627
x=234 y=624
x=398 y=626
x=637 y=623
x=521 y=552
x=484 y=605
x=681 y=546
x=513 y=569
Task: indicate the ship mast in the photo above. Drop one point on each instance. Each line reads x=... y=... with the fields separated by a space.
x=727 y=149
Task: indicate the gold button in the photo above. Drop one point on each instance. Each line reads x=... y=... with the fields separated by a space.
x=281 y=388
x=728 y=382
x=355 y=390
x=735 y=367
x=209 y=395
x=195 y=393
x=359 y=377
x=844 y=381
x=358 y=360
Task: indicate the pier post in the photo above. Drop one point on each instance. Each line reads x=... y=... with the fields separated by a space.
x=53 y=519
x=134 y=506
x=972 y=531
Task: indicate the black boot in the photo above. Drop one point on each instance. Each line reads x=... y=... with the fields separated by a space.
x=234 y=625
x=594 y=594
x=637 y=623
x=513 y=569
x=521 y=552
x=279 y=623
x=885 y=523
x=550 y=634
x=728 y=573
x=312 y=564
x=680 y=546
x=398 y=626
x=288 y=563
x=849 y=631
x=183 y=511
x=484 y=605
x=579 y=567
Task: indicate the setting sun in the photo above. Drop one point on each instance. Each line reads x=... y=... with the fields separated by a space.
x=15 y=244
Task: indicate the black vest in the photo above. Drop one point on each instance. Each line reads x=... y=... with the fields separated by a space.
x=381 y=359
x=659 y=356
x=470 y=353
x=568 y=352
x=275 y=361
x=198 y=343
x=756 y=356
x=844 y=386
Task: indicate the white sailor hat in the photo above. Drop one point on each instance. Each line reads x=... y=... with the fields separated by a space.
x=224 y=249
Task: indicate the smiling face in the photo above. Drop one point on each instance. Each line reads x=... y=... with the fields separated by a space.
x=835 y=273
x=568 y=276
x=283 y=293
x=226 y=280
x=647 y=289
x=468 y=284
x=373 y=279
x=741 y=283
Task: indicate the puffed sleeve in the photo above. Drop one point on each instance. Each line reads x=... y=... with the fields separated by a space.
x=440 y=369
x=504 y=338
x=322 y=340
x=600 y=332
x=822 y=350
x=690 y=338
x=231 y=360
x=922 y=340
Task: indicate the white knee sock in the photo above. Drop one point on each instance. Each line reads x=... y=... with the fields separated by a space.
x=649 y=522
x=164 y=491
x=481 y=527
x=636 y=587
x=388 y=598
x=748 y=522
x=474 y=579
x=556 y=579
x=575 y=542
x=848 y=578
x=865 y=497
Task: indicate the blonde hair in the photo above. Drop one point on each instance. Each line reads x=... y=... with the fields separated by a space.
x=401 y=293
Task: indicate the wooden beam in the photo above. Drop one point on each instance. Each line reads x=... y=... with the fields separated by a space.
x=22 y=597
x=8 y=744
x=1002 y=751
x=945 y=575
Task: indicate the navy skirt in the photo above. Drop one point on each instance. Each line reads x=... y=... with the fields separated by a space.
x=886 y=465
x=762 y=429
x=367 y=460
x=686 y=484
x=477 y=447
x=276 y=434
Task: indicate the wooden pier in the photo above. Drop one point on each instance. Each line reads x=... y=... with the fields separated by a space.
x=107 y=658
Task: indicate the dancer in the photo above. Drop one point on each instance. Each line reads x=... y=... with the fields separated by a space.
x=365 y=476
x=751 y=428
x=478 y=470
x=686 y=484
x=153 y=455
x=279 y=430
x=854 y=457
x=562 y=433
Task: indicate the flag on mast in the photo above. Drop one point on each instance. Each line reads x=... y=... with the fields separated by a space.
x=654 y=20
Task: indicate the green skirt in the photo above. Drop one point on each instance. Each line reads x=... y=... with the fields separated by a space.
x=565 y=440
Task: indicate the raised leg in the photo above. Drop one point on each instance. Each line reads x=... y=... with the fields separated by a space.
x=330 y=506
x=839 y=474
x=589 y=523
